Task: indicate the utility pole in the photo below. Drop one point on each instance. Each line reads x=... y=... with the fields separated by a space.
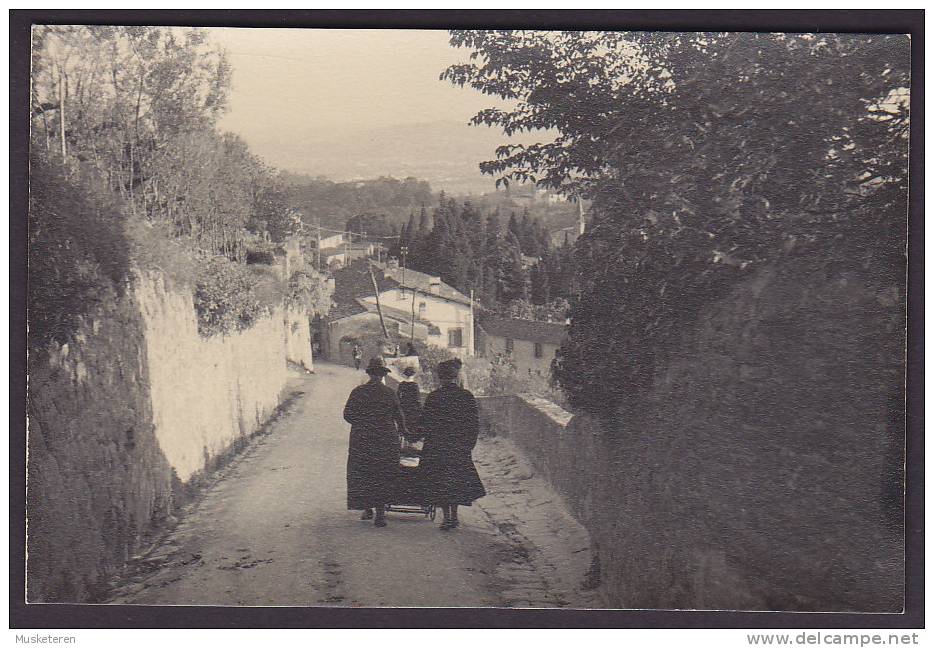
x=404 y=250
x=470 y=327
x=580 y=210
x=412 y=333
x=379 y=310
x=318 y=243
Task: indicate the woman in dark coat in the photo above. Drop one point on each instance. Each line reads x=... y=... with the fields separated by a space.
x=450 y=423
x=376 y=421
x=410 y=401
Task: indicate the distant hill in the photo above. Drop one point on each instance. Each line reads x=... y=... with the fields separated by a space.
x=446 y=154
x=394 y=171
x=331 y=204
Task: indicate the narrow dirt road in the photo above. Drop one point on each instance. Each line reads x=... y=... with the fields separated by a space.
x=274 y=530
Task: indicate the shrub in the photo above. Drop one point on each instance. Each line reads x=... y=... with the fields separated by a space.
x=269 y=288
x=225 y=298
x=77 y=252
x=308 y=289
x=429 y=358
x=499 y=375
x=153 y=247
x=260 y=256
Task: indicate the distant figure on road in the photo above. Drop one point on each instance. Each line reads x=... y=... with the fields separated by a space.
x=411 y=402
x=376 y=422
x=357 y=355
x=450 y=423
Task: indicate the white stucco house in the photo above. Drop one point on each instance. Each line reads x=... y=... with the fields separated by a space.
x=445 y=312
x=328 y=241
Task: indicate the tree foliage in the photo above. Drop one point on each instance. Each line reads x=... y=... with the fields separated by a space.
x=126 y=162
x=471 y=250
x=332 y=204
x=78 y=252
x=707 y=156
x=137 y=108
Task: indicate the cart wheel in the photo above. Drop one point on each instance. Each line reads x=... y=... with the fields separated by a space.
x=431 y=512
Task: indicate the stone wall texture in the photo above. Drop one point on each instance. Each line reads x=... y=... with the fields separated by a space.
x=762 y=471
x=207 y=392
x=97 y=476
x=298 y=337
x=136 y=406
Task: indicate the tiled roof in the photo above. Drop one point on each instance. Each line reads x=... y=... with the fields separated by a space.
x=519 y=329
x=402 y=316
x=342 y=310
x=422 y=283
x=349 y=283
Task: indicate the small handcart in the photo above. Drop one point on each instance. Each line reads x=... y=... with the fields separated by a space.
x=409 y=492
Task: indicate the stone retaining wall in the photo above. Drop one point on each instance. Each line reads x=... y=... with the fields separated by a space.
x=137 y=406
x=207 y=392
x=97 y=476
x=763 y=469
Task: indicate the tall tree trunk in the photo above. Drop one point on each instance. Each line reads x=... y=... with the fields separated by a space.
x=133 y=141
x=48 y=135
x=132 y=178
x=61 y=111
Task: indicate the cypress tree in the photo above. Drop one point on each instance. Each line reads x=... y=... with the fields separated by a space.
x=512 y=227
x=424 y=223
x=515 y=280
x=492 y=260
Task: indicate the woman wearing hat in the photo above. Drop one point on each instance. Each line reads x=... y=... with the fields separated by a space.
x=410 y=401
x=450 y=423
x=376 y=421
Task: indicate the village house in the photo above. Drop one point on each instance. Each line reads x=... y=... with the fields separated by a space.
x=446 y=313
x=443 y=316
x=332 y=258
x=530 y=345
x=324 y=241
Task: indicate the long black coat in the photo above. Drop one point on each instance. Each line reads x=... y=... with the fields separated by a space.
x=450 y=422
x=376 y=421
x=411 y=403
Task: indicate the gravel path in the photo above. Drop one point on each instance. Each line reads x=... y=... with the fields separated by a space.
x=273 y=529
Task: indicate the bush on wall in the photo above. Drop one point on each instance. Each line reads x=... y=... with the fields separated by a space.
x=307 y=288
x=224 y=298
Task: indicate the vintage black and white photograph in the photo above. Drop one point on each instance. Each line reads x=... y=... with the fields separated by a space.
x=483 y=318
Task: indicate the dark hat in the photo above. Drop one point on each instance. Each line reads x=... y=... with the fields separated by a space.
x=449 y=369
x=377 y=367
x=408 y=371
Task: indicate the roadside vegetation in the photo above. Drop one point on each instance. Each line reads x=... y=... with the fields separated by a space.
x=129 y=170
x=708 y=157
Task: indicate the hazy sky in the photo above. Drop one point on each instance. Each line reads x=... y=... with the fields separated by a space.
x=315 y=84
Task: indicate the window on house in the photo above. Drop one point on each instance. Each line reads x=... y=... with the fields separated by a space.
x=508 y=345
x=538 y=350
x=455 y=338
